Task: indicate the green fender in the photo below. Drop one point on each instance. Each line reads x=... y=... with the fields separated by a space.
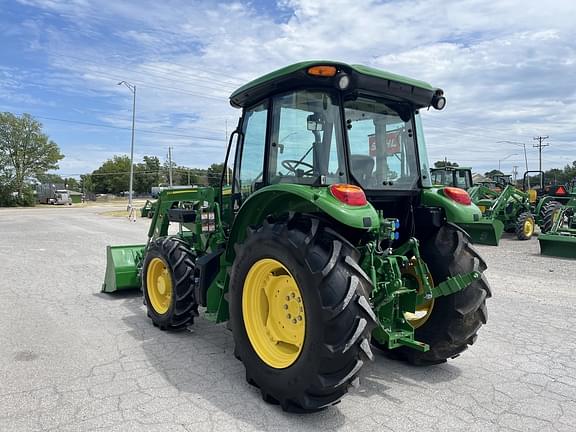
x=468 y=217
x=455 y=212
x=283 y=198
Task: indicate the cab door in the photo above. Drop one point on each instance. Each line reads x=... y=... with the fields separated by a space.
x=249 y=163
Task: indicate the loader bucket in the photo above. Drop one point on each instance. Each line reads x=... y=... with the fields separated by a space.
x=486 y=231
x=558 y=245
x=122 y=267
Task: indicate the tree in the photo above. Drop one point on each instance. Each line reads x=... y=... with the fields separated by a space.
x=146 y=174
x=72 y=184
x=25 y=150
x=45 y=178
x=86 y=184
x=444 y=163
x=214 y=173
x=113 y=176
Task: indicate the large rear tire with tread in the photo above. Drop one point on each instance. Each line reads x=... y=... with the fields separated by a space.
x=169 y=292
x=548 y=213
x=455 y=319
x=338 y=316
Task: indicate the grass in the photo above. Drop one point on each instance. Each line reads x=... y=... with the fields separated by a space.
x=121 y=213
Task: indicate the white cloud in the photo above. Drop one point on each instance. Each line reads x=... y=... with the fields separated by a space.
x=506 y=66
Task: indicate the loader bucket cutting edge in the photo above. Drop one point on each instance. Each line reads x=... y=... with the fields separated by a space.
x=122 y=267
x=557 y=245
x=485 y=232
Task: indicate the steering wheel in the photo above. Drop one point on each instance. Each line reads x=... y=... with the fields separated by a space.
x=292 y=164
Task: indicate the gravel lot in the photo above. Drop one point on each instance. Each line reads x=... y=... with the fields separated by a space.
x=73 y=359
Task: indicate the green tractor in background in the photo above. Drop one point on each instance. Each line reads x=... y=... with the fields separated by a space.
x=560 y=239
x=503 y=206
x=547 y=200
x=460 y=177
x=330 y=239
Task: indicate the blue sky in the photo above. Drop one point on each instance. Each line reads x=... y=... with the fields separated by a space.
x=507 y=68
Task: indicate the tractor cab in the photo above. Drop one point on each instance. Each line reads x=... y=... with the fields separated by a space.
x=460 y=177
x=322 y=124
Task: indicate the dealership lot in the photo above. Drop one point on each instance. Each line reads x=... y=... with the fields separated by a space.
x=74 y=359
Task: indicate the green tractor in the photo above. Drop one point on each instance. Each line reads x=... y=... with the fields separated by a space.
x=460 y=177
x=510 y=211
x=503 y=207
x=329 y=240
x=560 y=239
x=547 y=200
x=147 y=211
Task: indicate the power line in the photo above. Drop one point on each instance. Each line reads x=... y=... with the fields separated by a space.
x=101 y=125
x=161 y=70
x=539 y=146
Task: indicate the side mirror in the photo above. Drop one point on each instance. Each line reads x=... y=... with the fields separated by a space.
x=314 y=123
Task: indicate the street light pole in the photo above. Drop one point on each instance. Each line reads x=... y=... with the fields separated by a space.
x=132 y=88
x=503 y=159
x=516 y=143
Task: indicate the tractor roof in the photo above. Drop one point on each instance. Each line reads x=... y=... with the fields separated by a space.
x=362 y=78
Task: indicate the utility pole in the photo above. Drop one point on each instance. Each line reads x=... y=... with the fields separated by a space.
x=132 y=88
x=170 y=165
x=515 y=172
x=539 y=147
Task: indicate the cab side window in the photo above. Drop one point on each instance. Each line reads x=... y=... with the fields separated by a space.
x=251 y=164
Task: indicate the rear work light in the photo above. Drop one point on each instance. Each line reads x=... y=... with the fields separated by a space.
x=458 y=195
x=348 y=194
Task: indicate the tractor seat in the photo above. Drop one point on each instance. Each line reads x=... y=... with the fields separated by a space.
x=362 y=166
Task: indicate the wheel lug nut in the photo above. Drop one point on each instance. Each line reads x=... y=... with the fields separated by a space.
x=288 y=316
x=299 y=317
x=293 y=295
x=287 y=298
x=294 y=321
x=298 y=299
x=285 y=306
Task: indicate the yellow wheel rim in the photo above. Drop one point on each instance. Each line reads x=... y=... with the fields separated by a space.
x=159 y=285
x=273 y=312
x=423 y=311
x=528 y=227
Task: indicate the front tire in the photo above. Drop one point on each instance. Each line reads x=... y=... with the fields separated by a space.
x=455 y=320
x=168 y=283
x=332 y=345
x=525 y=226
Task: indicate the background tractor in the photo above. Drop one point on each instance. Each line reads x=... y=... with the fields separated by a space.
x=460 y=177
x=329 y=240
x=547 y=199
x=509 y=211
x=503 y=206
x=560 y=239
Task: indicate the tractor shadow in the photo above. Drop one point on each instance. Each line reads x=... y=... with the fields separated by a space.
x=199 y=362
x=384 y=375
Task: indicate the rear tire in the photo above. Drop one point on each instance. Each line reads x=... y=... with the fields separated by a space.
x=180 y=307
x=455 y=319
x=525 y=226
x=338 y=317
x=548 y=213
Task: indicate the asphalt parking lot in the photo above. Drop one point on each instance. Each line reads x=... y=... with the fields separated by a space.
x=73 y=359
